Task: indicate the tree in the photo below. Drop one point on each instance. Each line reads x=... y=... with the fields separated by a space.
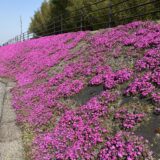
x=68 y=15
x=41 y=19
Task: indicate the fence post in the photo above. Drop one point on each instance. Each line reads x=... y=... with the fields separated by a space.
x=61 y=23
x=110 y=14
x=27 y=34
x=54 y=27
x=81 y=25
x=20 y=37
x=23 y=36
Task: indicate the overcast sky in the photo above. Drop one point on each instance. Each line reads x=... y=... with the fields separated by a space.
x=10 y=12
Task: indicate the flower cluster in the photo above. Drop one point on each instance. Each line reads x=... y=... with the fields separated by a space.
x=125 y=146
x=111 y=79
x=123 y=75
x=128 y=120
x=97 y=80
x=107 y=97
x=150 y=60
x=100 y=72
x=142 y=86
x=156 y=97
x=40 y=115
x=69 y=88
x=156 y=76
x=75 y=136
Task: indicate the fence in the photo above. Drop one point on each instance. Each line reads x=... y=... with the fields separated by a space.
x=102 y=14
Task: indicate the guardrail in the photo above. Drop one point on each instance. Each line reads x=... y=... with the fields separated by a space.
x=110 y=15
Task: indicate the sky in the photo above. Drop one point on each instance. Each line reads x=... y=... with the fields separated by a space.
x=10 y=12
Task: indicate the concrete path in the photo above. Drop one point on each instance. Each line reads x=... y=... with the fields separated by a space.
x=11 y=146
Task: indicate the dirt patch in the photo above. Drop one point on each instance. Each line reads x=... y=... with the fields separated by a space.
x=149 y=131
x=87 y=93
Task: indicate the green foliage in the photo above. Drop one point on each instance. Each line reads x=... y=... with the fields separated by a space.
x=41 y=19
x=53 y=13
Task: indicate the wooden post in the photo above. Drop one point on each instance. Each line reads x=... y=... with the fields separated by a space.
x=110 y=14
x=61 y=23
x=81 y=22
x=54 y=27
x=27 y=34
x=20 y=37
x=23 y=36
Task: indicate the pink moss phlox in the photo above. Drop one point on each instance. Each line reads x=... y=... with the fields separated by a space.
x=128 y=120
x=40 y=115
x=156 y=76
x=141 y=86
x=110 y=79
x=150 y=60
x=125 y=145
x=156 y=97
x=76 y=134
x=50 y=69
x=107 y=97
x=69 y=88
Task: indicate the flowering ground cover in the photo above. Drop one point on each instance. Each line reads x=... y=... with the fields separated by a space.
x=51 y=73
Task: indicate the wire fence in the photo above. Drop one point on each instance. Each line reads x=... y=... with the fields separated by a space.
x=102 y=14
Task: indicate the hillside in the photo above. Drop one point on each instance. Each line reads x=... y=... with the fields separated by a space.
x=88 y=95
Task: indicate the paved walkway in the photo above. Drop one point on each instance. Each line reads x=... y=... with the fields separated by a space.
x=11 y=146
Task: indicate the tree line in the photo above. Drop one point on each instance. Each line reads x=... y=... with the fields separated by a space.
x=65 y=15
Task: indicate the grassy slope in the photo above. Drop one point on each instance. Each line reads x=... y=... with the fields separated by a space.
x=42 y=101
